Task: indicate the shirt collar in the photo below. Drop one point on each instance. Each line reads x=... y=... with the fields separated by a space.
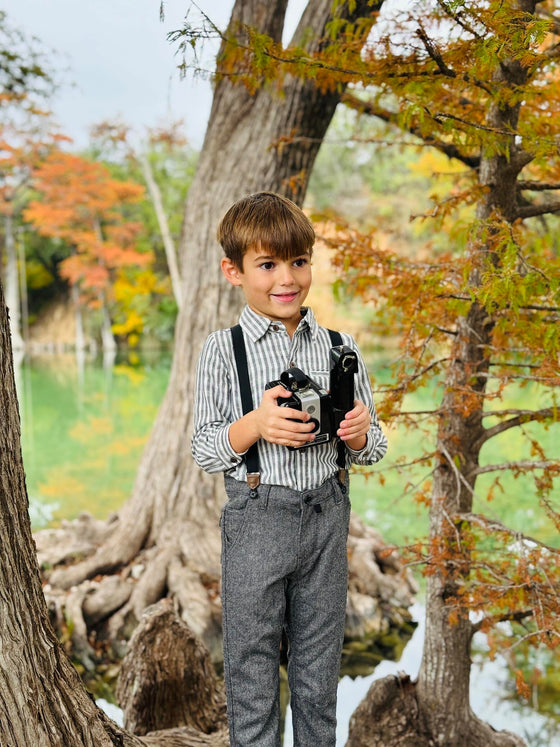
x=256 y=326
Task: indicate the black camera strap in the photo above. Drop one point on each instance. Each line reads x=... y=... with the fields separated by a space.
x=336 y=339
x=251 y=458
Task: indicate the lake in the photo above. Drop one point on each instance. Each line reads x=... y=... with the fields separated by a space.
x=84 y=426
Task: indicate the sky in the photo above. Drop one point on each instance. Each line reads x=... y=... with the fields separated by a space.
x=118 y=62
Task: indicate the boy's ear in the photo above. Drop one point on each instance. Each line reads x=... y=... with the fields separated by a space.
x=231 y=271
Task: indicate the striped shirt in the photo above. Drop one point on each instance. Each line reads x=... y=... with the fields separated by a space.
x=269 y=352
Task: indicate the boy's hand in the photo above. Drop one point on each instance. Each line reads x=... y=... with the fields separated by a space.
x=282 y=425
x=355 y=426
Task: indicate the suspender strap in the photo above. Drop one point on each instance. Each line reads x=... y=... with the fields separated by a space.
x=336 y=339
x=252 y=455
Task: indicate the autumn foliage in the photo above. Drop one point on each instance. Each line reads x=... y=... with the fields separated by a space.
x=81 y=204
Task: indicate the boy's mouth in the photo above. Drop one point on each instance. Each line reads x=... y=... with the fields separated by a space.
x=285 y=297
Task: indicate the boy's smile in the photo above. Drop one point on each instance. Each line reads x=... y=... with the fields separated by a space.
x=273 y=287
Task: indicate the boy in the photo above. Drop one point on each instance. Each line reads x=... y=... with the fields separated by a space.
x=285 y=523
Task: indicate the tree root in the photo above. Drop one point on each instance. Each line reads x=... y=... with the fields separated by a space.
x=390 y=714
x=167 y=679
x=185 y=565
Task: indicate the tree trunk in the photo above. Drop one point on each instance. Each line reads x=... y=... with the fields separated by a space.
x=168 y=243
x=441 y=694
x=169 y=525
x=12 y=282
x=167 y=679
x=42 y=701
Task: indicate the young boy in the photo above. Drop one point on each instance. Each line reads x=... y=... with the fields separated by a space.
x=284 y=530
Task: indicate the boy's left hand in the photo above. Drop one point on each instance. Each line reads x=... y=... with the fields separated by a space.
x=355 y=426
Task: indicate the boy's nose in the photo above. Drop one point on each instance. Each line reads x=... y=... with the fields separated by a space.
x=286 y=275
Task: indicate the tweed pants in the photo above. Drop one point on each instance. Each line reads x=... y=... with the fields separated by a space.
x=284 y=566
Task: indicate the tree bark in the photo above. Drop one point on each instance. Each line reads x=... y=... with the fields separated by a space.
x=167 y=679
x=12 y=282
x=173 y=500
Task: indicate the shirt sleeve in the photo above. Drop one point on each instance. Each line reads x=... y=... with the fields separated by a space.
x=213 y=413
x=376 y=441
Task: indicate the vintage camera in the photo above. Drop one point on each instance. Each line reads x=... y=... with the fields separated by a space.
x=326 y=409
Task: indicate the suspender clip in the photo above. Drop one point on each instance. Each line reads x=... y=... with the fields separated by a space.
x=253 y=480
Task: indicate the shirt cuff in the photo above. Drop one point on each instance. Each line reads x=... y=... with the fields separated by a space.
x=225 y=450
x=359 y=452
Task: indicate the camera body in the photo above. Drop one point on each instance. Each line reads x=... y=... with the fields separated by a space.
x=325 y=408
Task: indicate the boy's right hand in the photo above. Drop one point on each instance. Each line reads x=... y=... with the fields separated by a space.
x=282 y=425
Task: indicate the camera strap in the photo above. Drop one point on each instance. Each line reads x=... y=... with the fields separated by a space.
x=251 y=458
x=336 y=339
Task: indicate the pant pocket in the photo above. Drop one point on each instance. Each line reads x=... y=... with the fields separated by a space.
x=234 y=513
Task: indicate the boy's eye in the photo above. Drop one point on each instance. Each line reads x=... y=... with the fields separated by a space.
x=267 y=265
x=301 y=261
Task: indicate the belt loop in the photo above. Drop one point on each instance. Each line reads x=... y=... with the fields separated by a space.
x=263 y=496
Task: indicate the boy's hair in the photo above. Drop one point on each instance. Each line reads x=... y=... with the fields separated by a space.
x=268 y=221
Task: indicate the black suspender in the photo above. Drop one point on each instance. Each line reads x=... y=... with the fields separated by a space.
x=252 y=456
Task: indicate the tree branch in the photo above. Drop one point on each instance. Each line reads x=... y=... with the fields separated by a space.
x=373 y=110
x=494 y=525
x=434 y=53
x=537 y=186
x=521 y=418
x=457 y=18
x=416 y=375
x=520 y=465
x=506 y=617
x=531 y=211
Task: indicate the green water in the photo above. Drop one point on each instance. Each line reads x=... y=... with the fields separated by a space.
x=83 y=432
x=84 y=429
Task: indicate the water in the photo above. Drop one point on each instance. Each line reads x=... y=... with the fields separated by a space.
x=83 y=431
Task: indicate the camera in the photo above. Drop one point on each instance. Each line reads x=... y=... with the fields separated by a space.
x=326 y=409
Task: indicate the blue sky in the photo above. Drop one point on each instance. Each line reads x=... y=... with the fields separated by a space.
x=119 y=61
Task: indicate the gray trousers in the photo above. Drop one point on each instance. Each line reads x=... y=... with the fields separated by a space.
x=284 y=566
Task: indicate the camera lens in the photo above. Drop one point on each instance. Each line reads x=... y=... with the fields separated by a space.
x=347 y=361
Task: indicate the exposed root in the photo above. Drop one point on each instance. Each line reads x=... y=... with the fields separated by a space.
x=185 y=565
x=72 y=540
x=391 y=714
x=167 y=679
x=148 y=589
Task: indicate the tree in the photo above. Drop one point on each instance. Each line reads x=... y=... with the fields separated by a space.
x=164 y=162
x=81 y=204
x=259 y=137
x=26 y=133
x=468 y=81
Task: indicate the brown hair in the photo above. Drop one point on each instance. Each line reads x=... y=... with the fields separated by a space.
x=267 y=221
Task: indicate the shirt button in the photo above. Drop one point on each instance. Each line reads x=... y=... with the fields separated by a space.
x=292 y=364
x=275 y=327
x=233 y=460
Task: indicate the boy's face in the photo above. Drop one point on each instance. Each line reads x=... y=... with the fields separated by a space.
x=273 y=287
